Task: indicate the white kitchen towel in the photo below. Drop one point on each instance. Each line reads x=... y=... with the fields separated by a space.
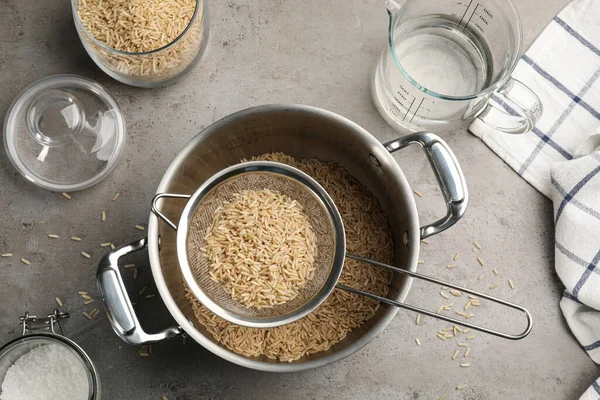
x=563 y=68
x=560 y=157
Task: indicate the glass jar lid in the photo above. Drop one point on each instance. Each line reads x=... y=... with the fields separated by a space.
x=64 y=133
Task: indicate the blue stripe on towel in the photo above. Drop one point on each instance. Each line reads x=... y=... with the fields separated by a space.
x=586 y=274
x=576 y=35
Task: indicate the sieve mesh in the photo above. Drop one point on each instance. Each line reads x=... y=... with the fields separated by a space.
x=290 y=182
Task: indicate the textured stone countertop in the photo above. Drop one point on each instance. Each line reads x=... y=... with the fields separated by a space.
x=312 y=52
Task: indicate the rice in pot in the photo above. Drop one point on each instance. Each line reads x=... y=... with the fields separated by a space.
x=367 y=233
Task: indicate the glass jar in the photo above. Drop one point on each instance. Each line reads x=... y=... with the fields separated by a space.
x=51 y=334
x=160 y=67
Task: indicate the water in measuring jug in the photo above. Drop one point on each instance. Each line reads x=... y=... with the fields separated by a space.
x=442 y=56
x=439 y=53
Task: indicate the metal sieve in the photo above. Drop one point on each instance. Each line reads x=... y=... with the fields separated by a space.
x=198 y=215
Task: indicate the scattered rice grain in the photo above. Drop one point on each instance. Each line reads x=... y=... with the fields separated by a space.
x=418 y=320
x=143 y=290
x=469 y=316
x=140 y=227
x=7 y=254
x=470 y=337
x=25 y=261
x=88 y=301
x=456 y=353
x=425 y=241
x=451 y=266
x=76 y=239
x=462 y=345
x=66 y=195
x=151 y=295
x=106 y=244
x=418 y=193
x=59 y=302
x=420 y=262
x=511 y=284
x=480 y=261
x=53 y=236
x=116 y=196
x=86 y=255
x=103 y=216
x=467 y=352
x=444 y=295
x=88 y=316
x=418 y=341
x=85 y=296
x=455 y=292
x=461 y=387
x=494 y=286
x=477 y=245
x=465 y=365
x=456 y=256
x=495 y=271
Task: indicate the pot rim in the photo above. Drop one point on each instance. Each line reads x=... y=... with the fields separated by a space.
x=229 y=355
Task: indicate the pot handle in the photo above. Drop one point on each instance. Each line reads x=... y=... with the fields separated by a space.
x=116 y=301
x=448 y=173
x=159 y=214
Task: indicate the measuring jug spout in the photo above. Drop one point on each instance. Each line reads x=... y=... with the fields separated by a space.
x=393 y=6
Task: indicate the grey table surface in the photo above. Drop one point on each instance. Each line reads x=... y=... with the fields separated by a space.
x=312 y=52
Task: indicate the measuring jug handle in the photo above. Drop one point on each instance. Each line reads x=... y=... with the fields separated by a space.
x=116 y=301
x=513 y=109
x=448 y=173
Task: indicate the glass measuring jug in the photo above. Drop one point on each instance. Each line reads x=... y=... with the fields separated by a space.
x=448 y=62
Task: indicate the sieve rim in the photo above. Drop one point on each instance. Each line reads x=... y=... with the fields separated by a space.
x=339 y=250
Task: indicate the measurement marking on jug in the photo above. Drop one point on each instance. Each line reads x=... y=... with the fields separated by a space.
x=415 y=113
x=407 y=111
x=472 y=14
x=466 y=9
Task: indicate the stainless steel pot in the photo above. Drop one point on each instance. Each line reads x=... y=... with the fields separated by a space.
x=300 y=131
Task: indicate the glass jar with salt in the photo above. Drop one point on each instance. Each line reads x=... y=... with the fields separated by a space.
x=44 y=364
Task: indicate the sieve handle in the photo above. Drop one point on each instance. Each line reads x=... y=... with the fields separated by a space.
x=448 y=173
x=433 y=314
x=159 y=213
x=116 y=301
